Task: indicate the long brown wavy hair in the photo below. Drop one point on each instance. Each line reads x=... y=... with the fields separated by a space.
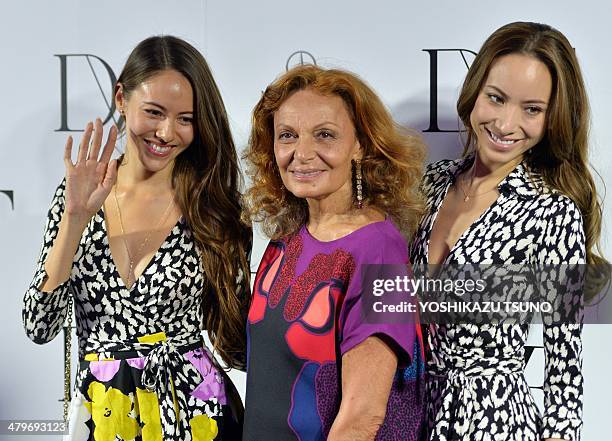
x=206 y=180
x=561 y=157
x=392 y=163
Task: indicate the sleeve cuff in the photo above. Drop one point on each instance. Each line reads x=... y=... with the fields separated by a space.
x=51 y=300
x=403 y=356
x=566 y=429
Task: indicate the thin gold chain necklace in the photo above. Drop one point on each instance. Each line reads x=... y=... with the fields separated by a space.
x=131 y=274
x=467 y=197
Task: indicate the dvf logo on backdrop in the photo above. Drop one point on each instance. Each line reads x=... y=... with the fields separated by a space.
x=107 y=92
x=433 y=84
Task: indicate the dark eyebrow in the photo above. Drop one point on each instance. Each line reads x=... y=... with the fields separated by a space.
x=544 y=103
x=504 y=95
x=153 y=103
x=498 y=90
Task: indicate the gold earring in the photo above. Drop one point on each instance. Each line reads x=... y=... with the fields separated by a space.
x=358 y=183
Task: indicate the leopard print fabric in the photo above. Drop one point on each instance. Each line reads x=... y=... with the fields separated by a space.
x=476 y=386
x=132 y=342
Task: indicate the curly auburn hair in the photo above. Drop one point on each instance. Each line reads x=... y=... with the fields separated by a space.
x=392 y=163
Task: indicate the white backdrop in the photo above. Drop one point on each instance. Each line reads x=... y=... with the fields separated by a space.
x=248 y=44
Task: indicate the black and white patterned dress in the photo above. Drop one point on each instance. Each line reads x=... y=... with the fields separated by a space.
x=144 y=372
x=476 y=385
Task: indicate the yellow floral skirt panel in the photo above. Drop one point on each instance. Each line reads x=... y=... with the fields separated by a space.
x=182 y=396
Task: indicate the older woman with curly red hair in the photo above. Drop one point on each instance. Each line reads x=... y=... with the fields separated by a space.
x=335 y=186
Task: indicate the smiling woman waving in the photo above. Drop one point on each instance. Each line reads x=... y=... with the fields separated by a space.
x=151 y=251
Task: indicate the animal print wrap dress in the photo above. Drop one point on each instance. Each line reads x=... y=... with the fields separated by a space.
x=475 y=372
x=144 y=372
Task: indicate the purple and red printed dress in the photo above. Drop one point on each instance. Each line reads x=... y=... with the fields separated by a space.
x=306 y=312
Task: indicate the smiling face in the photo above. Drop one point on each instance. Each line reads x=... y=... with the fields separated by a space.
x=158 y=119
x=509 y=116
x=314 y=143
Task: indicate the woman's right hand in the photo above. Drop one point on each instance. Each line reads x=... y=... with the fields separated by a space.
x=89 y=180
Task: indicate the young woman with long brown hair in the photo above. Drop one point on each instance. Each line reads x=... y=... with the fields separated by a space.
x=152 y=251
x=522 y=194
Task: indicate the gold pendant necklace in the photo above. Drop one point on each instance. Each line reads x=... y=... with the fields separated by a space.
x=131 y=275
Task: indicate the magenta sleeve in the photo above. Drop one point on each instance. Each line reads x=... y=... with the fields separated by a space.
x=354 y=328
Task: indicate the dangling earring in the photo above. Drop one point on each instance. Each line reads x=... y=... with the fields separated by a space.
x=358 y=183
x=121 y=136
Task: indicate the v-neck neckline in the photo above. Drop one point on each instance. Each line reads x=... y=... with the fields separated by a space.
x=149 y=263
x=461 y=238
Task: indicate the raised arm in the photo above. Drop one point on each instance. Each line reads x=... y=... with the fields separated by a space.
x=76 y=200
x=88 y=183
